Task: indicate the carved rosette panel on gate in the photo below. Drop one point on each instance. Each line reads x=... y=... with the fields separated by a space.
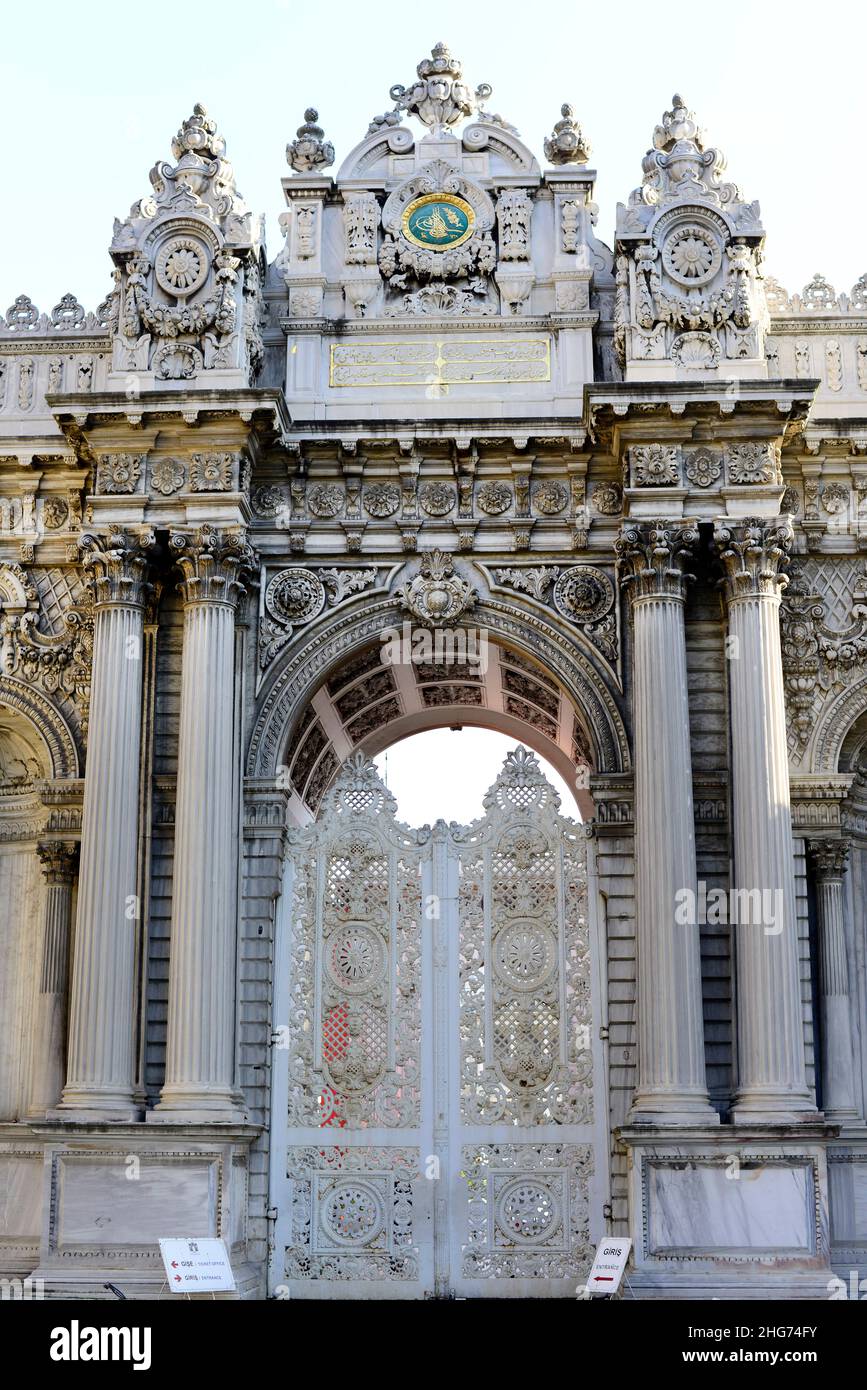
x=525 y=1000
x=352 y=1213
x=354 y=1012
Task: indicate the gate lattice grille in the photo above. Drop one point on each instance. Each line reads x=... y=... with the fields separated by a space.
x=437 y=1023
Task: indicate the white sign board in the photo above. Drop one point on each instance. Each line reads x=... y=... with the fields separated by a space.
x=609 y=1264
x=197 y=1264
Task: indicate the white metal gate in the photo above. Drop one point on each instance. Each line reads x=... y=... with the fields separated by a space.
x=438 y=1123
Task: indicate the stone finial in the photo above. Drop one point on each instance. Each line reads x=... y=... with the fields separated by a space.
x=566 y=144
x=439 y=98
x=309 y=151
x=198 y=135
x=677 y=124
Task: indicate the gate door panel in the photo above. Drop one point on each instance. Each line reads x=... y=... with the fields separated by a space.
x=522 y=1112
x=349 y=1035
x=435 y=1130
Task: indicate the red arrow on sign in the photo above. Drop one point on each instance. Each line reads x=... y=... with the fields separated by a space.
x=174 y=1264
x=177 y=1279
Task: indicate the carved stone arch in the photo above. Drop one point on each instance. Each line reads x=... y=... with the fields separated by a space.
x=17 y=590
x=376 y=147
x=506 y=144
x=834 y=725
x=308 y=663
x=47 y=721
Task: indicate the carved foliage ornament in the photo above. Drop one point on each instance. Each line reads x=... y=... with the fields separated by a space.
x=437 y=595
x=654 y=465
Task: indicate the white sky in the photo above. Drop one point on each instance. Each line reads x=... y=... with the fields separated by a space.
x=92 y=93
x=445 y=773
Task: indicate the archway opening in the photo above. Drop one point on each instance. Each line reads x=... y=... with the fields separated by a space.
x=371 y=704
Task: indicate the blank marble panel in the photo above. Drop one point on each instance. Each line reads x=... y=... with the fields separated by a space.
x=20 y=1197
x=848 y=1189
x=99 y=1205
x=697 y=1208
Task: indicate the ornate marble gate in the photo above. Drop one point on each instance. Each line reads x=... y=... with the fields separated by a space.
x=437 y=1129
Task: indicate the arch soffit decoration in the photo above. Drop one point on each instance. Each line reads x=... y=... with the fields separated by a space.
x=304 y=666
x=834 y=725
x=48 y=722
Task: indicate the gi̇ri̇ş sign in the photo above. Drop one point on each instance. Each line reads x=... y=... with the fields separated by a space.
x=197 y=1265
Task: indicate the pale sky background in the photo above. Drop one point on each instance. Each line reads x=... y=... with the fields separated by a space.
x=445 y=773
x=92 y=93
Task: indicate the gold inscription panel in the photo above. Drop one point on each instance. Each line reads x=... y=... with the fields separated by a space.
x=453 y=361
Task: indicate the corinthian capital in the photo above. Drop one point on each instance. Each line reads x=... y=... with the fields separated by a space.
x=59 y=859
x=828 y=858
x=117 y=563
x=215 y=565
x=654 y=556
x=753 y=554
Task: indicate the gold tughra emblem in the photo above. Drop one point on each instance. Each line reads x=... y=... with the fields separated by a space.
x=438 y=221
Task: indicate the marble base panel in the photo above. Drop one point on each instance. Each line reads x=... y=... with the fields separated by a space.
x=847 y=1184
x=729 y=1215
x=82 y=1208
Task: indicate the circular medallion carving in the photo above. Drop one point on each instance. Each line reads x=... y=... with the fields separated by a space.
x=525 y=954
x=352 y=1214
x=550 y=498
x=382 y=500
x=583 y=593
x=692 y=255
x=295 y=596
x=527 y=1212
x=438 y=221
x=437 y=499
x=267 y=501
x=703 y=467
x=325 y=500
x=181 y=266
x=356 y=959
x=608 y=499
x=494 y=498
x=167 y=476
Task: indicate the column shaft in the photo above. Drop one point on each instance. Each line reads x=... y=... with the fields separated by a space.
x=771 y=1063
x=199 y=1082
x=672 y=1087
x=101 y=1048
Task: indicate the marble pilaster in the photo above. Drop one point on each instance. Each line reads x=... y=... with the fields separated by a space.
x=828 y=860
x=59 y=859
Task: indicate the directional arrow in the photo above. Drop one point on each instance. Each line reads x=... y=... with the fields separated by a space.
x=174 y=1264
x=177 y=1279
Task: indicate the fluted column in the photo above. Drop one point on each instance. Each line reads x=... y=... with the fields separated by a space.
x=100 y=1071
x=48 y=1058
x=828 y=859
x=672 y=1087
x=200 y=1044
x=772 y=1085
